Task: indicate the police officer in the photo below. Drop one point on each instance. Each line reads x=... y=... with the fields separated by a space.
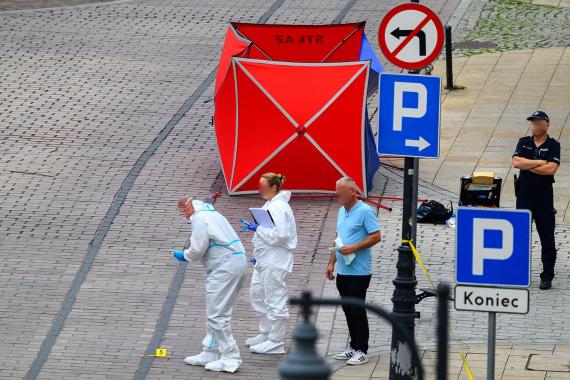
x=538 y=157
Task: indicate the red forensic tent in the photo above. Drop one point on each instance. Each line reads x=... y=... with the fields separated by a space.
x=304 y=120
x=276 y=81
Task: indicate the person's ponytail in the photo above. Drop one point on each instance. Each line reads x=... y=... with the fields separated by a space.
x=273 y=179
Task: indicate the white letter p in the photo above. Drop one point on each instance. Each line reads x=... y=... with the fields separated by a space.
x=480 y=252
x=400 y=111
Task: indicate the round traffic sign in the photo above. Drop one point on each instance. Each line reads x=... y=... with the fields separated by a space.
x=411 y=36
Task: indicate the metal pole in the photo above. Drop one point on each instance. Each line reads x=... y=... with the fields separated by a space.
x=404 y=296
x=408 y=198
x=442 y=330
x=448 y=58
x=414 y=204
x=491 y=346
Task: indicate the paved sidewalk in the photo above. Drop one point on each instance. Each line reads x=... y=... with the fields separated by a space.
x=510 y=364
x=482 y=123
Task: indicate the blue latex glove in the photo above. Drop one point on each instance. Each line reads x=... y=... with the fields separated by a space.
x=253 y=261
x=249 y=226
x=178 y=255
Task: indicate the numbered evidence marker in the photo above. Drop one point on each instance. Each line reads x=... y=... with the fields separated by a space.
x=161 y=352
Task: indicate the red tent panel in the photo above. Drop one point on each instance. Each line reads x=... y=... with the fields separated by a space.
x=298 y=157
x=262 y=127
x=313 y=86
x=234 y=45
x=330 y=129
x=225 y=122
x=304 y=43
x=285 y=124
x=348 y=49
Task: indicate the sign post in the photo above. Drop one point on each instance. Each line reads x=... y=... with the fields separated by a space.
x=492 y=266
x=411 y=37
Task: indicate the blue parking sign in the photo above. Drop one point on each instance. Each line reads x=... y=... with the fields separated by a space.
x=493 y=247
x=409 y=115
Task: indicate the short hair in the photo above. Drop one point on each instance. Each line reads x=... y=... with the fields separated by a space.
x=347 y=181
x=183 y=202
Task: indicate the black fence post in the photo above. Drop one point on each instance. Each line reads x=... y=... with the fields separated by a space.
x=448 y=58
x=304 y=361
x=442 y=330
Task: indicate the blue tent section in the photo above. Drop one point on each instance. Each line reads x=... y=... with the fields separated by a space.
x=372 y=160
x=367 y=54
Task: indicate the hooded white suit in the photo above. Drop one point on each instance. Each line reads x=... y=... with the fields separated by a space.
x=215 y=243
x=273 y=251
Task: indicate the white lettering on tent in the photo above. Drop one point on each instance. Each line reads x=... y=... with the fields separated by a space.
x=482 y=253
x=400 y=111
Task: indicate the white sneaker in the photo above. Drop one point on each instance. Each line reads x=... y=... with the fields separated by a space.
x=358 y=358
x=268 y=347
x=202 y=358
x=346 y=354
x=256 y=340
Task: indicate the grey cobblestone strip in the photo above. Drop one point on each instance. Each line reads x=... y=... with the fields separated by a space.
x=344 y=11
x=146 y=362
x=105 y=225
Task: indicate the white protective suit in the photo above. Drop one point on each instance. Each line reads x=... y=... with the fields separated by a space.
x=215 y=243
x=273 y=251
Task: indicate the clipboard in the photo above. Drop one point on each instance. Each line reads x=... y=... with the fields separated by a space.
x=262 y=217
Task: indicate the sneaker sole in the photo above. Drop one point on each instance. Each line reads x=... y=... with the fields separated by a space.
x=357 y=363
x=269 y=353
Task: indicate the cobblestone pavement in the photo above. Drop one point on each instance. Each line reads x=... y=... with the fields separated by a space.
x=33 y=4
x=104 y=122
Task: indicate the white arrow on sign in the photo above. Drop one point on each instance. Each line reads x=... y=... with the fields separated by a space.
x=420 y=143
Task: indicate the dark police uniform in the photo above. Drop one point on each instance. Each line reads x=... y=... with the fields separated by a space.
x=534 y=193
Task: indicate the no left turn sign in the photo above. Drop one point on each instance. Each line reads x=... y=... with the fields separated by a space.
x=411 y=36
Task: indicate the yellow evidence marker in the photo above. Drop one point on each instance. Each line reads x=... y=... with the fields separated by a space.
x=161 y=352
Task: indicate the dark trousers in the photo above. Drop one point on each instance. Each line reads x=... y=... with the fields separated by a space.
x=356 y=318
x=541 y=205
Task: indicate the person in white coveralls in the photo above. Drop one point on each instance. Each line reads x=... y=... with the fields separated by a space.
x=216 y=245
x=273 y=253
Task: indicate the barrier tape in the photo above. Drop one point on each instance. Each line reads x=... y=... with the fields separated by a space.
x=420 y=261
x=430 y=280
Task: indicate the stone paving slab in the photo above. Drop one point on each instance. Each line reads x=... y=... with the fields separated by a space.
x=509 y=364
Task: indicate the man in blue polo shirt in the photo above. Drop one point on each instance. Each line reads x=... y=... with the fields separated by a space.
x=357 y=231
